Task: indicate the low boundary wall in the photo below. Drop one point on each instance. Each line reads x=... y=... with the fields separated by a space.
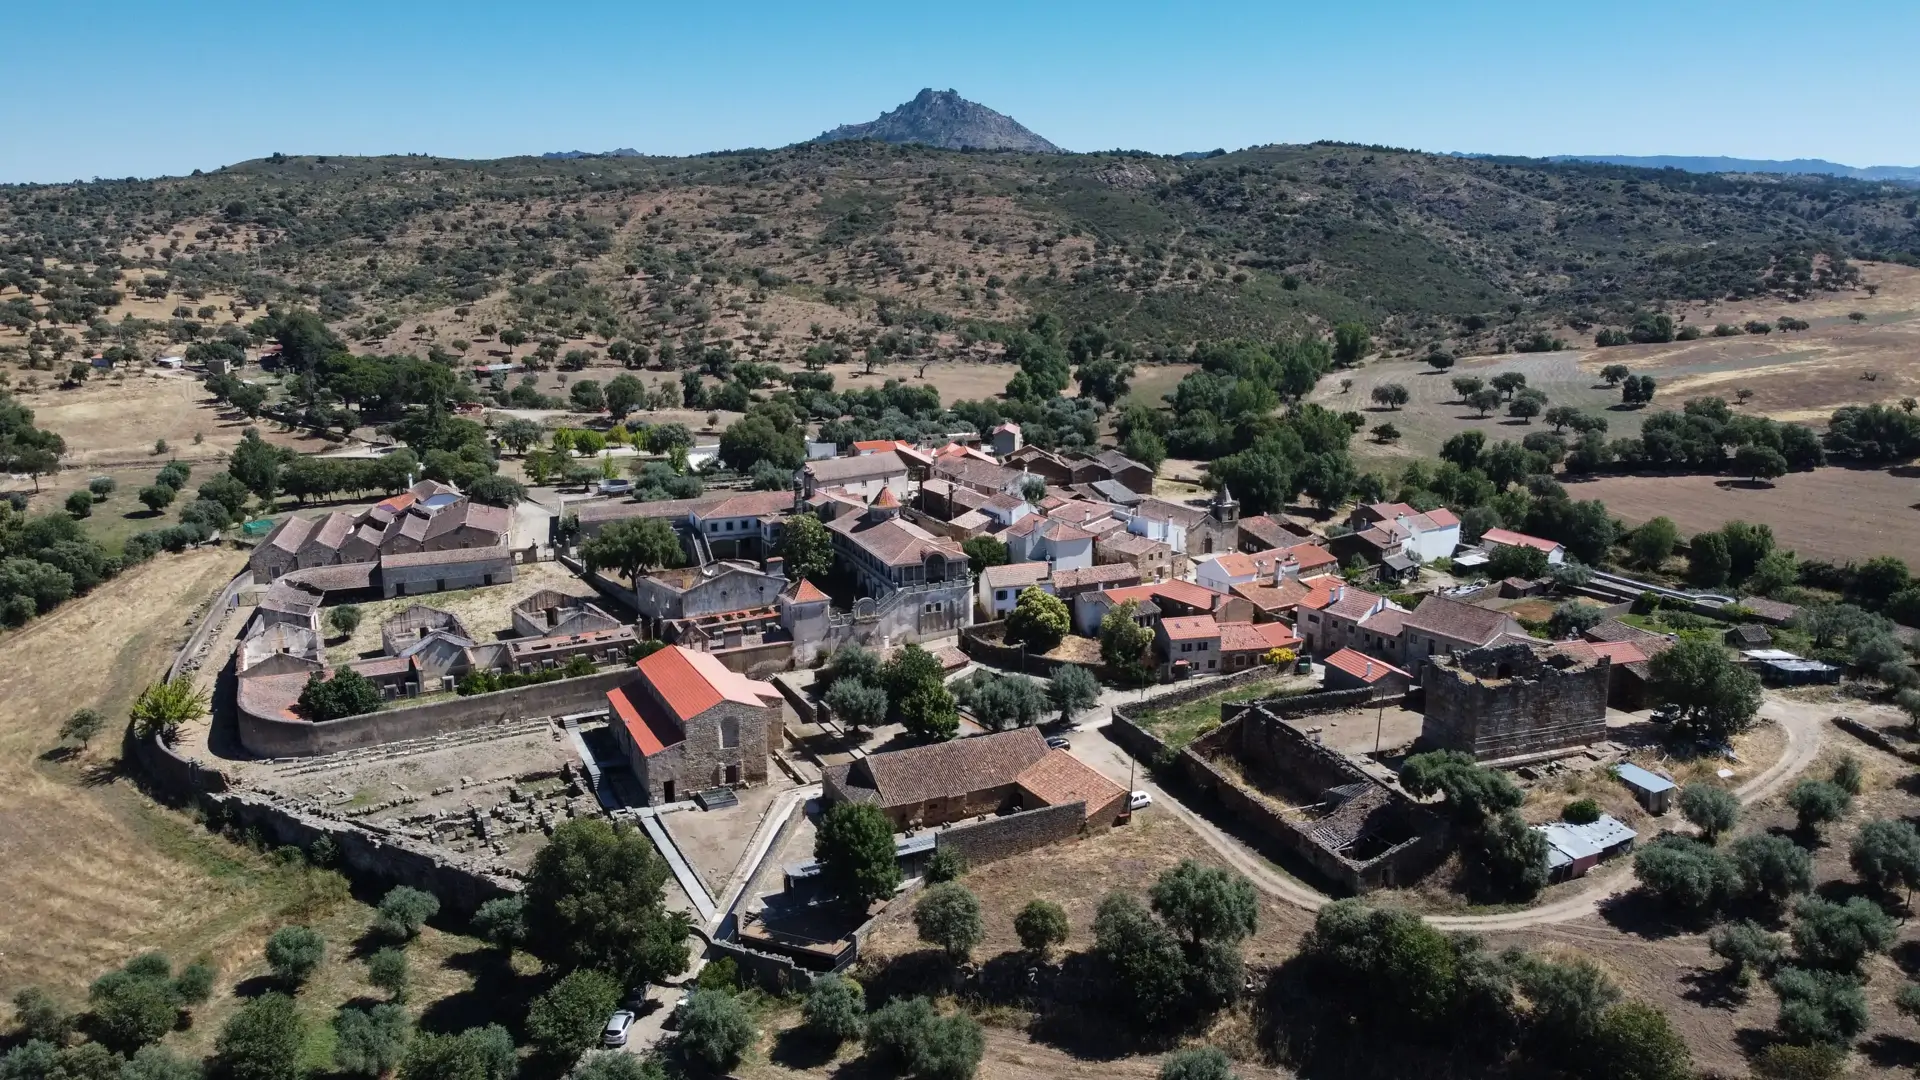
x=271 y=736
x=996 y=838
x=364 y=850
x=980 y=642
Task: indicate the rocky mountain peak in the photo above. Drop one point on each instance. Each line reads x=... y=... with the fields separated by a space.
x=944 y=119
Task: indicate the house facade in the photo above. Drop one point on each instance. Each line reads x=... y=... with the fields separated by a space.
x=687 y=723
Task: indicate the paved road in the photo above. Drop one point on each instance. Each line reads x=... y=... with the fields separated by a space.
x=1803 y=724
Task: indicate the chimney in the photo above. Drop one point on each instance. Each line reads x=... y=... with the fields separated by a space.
x=776 y=566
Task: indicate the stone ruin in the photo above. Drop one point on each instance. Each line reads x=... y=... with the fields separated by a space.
x=1514 y=699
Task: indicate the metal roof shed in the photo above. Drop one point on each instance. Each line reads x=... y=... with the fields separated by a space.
x=1655 y=792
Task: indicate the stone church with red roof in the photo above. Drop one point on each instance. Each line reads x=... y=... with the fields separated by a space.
x=686 y=722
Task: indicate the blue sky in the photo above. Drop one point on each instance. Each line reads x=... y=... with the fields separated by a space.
x=114 y=88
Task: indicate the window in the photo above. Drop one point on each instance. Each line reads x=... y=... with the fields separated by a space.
x=1000 y=594
x=729 y=732
x=1212 y=664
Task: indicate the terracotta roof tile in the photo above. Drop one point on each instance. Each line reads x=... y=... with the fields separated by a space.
x=1245 y=636
x=1190 y=628
x=691 y=682
x=1013 y=575
x=1060 y=778
x=805 y=592
x=1508 y=538
x=956 y=767
x=1446 y=618
x=1366 y=668
x=1101 y=574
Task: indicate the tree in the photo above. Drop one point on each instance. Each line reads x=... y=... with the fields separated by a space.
x=1716 y=697
x=1636 y=1042
x=134 y=1005
x=929 y=713
x=262 y=1041
x=194 y=984
x=1759 y=462
x=948 y=918
x=1197 y=1063
x=403 y=911
x=807 y=548
x=1653 y=542
x=834 y=1009
x=38 y=1015
x=157 y=1063
x=1886 y=855
x=1474 y=793
x=632 y=546
x=1072 y=689
x=854 y=846
x=1637 y=390
x=80 y=504
x=1145 y=447
x=1039 y=619
x=1615 y=373
x=1820 y=1006
x=157 y=497
x=1568 y=1000
x=1206 y=904
x=568 y=1018
x=1772 y=866
x=909 y=1037
x=1517 y=561
x=294 y=953
x=984 y=551
x=624 y=393
x=1686 y=873
x=1573 y=618
x=1526 y=406
x=1392 y=395
x=1124 y=644
x=387 y=969
x=520 y=434
x=1839 y=937
x=1350 y=342
x=502 y=921
x=1145 y=959
x=1513 y=857
x=475 y=1054
x=344 y=619
x=1040 y=925
x=1817 y=802
x=717 y=1030
x=1385 y=433
x=1712 y=810
x=856 y=703
x=1465 y=386
x=348 y=693
x=371 y=1042
x=1747 y=948
x=82 y=727
x=596 y=898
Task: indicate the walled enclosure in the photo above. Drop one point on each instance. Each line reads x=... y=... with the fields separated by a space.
x=1508 y=700
x=1313 y=802
x=273 y=736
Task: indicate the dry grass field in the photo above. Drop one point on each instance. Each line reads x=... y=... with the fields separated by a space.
x=117 y=421
x=1832 y=514
x=1800 y=376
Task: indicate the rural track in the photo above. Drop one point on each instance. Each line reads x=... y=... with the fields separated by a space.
x=1803 y=727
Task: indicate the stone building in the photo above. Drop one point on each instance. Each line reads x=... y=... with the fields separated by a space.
x=687 y=723
x=925 y=786
x=690 y=592
x=1513 y=698
x=427 y=517
x=550 y=611
x=1189 y=529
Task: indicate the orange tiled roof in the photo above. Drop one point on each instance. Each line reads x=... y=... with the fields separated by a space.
x=1190 y=628
x=804 y=592
x=1366 y=668
x=643 y=735
x=691 y=682
x=1245 y=636
x=1060 y=778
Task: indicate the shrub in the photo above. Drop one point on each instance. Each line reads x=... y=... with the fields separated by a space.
x=1819 y=1006
x=834 y=1009
x=947 y=864
x=38 y=1015
x=1785 y=1061
x=262 y=1041
x=1581 y=812
x=716 y=1030
x=387 y=969
x=135 y=1005
x=1886 y=855
x=1041 y=925
x=1196 y=1063
x=1746 y=948
x=568 y=1018
x=294 y=952
x=403 y=911
x=1817 y=802
x=370 y=1042
x=1712 y=810
x=502 y=921
x=80 y=504
x=948 y=917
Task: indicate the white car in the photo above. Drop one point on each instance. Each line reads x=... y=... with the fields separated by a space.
x=1139 y=800
x=616 y=1030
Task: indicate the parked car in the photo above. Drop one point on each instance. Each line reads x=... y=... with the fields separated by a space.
x=1058 y=742
x=616 y=1030
x=1139 y=800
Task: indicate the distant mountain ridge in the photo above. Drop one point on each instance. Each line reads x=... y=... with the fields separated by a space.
x=944 y=119
x=573 y=155
x=1797 y=167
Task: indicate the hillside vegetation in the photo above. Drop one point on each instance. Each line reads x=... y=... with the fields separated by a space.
x=851 y=243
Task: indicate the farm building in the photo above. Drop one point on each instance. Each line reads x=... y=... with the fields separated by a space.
x=1654 y=791
x=1572 y=850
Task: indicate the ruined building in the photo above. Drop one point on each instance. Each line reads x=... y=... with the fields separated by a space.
x=1514 y=697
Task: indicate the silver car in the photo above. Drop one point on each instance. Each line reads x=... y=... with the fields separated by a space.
x=616 y=1030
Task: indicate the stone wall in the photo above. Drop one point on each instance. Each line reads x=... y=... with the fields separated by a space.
x=272 y=736
x=364 y=851
x=984 y=642
x=1512 y=700
x=982 y=842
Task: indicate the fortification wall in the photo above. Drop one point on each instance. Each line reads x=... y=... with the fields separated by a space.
x=273 y=736
x=1528 y=712
x=982 y=842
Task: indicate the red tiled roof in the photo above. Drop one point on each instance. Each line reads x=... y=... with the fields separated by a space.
x=1441 y=517
x=1452 y=619
x=804 y=592
x=1101 y=574
x=1008 y=575
x=1510 y=538
x=691 y=682
x=643 y=735
x=1190 y=628
x=1060 y=778
x=874 y=445
x=1363 y=667
x=886 y=500
x=1180 y=592
x=1245 y=636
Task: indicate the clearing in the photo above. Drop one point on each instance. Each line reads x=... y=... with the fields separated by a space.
x=1833 y=513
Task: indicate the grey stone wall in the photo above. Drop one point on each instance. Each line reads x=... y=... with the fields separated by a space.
x=698 y=761
x=269 y=736
x=982 y=842
x=1499 y=703
x=423 y=580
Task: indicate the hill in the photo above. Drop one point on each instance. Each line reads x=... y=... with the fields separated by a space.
x=1797 y=167
x=772 y=252
x=944 y=119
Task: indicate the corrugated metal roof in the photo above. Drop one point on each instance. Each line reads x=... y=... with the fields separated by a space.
x=1635 y=776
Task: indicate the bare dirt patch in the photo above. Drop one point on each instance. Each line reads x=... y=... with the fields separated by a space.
x=118 y=421
x=1835 y=514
